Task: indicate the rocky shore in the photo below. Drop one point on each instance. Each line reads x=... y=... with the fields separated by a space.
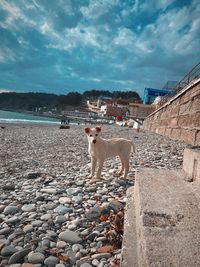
x=50 y=213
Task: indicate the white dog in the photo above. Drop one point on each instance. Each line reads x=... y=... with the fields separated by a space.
x=100 y=149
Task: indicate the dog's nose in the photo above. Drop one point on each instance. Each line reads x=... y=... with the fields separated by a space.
x=94 y=141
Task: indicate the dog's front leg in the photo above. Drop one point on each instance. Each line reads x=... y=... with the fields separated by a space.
x=93 y=166
x=100 y=167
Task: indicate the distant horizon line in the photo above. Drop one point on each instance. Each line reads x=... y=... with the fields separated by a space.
x=88 y=90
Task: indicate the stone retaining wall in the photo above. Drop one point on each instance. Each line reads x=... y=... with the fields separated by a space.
x=179 y=118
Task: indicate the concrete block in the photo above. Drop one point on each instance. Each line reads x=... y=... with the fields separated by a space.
x=191 y=163
x=197 y=139
x=190 y=120
x=129 y=246
x=173 y=122
x=174 y=108
x=167 y=219
x=195 y=103
x=168 y=131
x=192 y=92
x=176 y=133
x=188 y=136
x=161 y=130
x=185 y=107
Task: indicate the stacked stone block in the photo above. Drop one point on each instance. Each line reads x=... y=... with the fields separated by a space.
x=180 y=117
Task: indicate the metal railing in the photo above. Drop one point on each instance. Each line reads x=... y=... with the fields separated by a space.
x=191 y=75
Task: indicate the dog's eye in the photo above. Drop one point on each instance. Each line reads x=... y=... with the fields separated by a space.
x=90 y=135
x=96 y=134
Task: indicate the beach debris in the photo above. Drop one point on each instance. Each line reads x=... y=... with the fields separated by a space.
x=115 y=229
x=64 y=126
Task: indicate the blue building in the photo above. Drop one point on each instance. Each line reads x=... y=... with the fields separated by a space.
x=151 y=93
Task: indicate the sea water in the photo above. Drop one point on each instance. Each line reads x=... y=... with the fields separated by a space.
x=16 y=117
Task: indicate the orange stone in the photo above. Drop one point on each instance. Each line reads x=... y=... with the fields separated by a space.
x=105 y=249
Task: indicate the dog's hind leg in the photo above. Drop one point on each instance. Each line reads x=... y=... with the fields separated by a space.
x=122 y=166
x=119 y=173
x=126 y=167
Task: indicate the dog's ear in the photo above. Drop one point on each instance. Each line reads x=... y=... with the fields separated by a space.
x=87 y=130
x=98 y=129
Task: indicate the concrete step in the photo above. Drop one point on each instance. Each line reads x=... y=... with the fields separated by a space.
x=165 y=221
x=129 y=248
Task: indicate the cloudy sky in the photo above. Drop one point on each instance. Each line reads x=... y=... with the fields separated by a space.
x=58 y=46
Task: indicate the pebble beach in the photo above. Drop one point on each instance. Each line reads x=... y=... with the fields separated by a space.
x=49 y=209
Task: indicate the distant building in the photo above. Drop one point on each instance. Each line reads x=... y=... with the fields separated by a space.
x=151 y=93
x=140 y=111
x=108 y=107
x=109 y=110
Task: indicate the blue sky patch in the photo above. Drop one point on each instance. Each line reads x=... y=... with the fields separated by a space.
x=62 y=46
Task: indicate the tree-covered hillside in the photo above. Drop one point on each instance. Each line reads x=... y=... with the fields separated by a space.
x=32 y=101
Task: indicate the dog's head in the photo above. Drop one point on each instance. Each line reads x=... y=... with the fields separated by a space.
x=93 y=134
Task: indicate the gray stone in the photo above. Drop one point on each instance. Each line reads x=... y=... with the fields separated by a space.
x=49 y=190
x=10 y=210
x=62 y=210
x=72 y=227
x=37 y=223
x=85 y=264
x=46 y=217
x=77 y=199
x=12 y=220
x=94 y=213
x=70 y=237
x=35 y=257
x=115 y=205
x=28 y=228
x=60 y=219
x=76 y=247
x=85 y=232
x=102 y=264
x=51 y=261
x=80 y=182
x=101 y=256
x=8 y=250
x=19 y=255
x=45 y=243
x=61 y=244
x=16 y=265
x=33 y=175
x=64 y=200
x=92 y=235
x=5 y=231
x=28 y=207
x=73 y=191
x=95 y=262
x=9 y=187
